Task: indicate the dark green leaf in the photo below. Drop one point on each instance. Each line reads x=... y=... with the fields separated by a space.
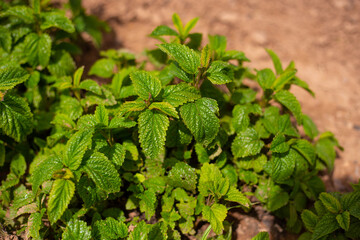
x=326 y=225
x=57 y=20
x=343 y=220
x=309 y=219
x=330 y=202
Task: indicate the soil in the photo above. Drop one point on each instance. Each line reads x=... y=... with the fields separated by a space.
x=322 y=37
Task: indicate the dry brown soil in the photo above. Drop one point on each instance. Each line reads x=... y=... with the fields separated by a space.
x=321 y=36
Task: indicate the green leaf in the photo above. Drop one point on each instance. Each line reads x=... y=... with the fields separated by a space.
x=310 y=128
x=215 y=214
x=121 y=122
x=330 y=202
x=220 y=72
x=282 y=165
x=284 y=78
x=44 y=171
x=178 y=134
x=147 y=203
x=272 y=194
x=212 y=181
x=240 y=118
x=57 y=20
x=182 y=175
x=234 y=195
x=34 y=224
x=326 y=225
x=132 y=106
x=77 y=76
x=326 y=152
x=246 y=143
x=279 y=144
x=103 y=68
x=297 y=81
x=163 y=30
x=190 y=25
x=178 y=72
x=18 y=165
x=16 y=119
x=309 y=219
x=178 y=24
x=102 y=172
x=306 y=149
x=234 y=55
x=63 y=120
x=205 y=56
x=61 y=193
x=344 y=220
x=166 y=108
x=76 y=147
x=2 y=154
x=24 y=13
x=76 y=229
x=276 y=61
x=111 y=229
x=355 y=209
x=146 y=84
x=179 y=94
x=287 y=99
x=265 y=78
x=12 y=76
x=187 y=58
x=101 y=115
x=152 y=132
x=261 y=236
x=217 y=43
x=5 y=39
x=61 y=64
x=201 y=153
x=200 y=117
x=38 y=49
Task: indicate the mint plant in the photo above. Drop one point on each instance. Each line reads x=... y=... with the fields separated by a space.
x=151 y=154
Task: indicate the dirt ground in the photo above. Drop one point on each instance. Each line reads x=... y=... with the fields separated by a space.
x=322 y=37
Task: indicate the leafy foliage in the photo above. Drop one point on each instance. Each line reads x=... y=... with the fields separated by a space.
x=169 y=144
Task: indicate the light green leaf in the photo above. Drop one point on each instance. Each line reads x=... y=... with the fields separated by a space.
x=91 y=86
x=200 y=117
x=61 y=193
x=16 y=119
x=279 y=144
x=44 y=171
x=177 y=23
x=205 y=56
x=217 y=43
x=12 y=76
x=261 y=236
x=287 y=99
x=5 y=39
x=146 y=84
x=38 y=49
x=75 y=230
x=187 y=58
x=326 y=225
x=190 y=25
x=184 y=176
x=326 y=152
x=103 y=68
x=76 y=147
x=212 y=181
x=121 y=122
x=276 y=61
x=57 y=20
x=63 y=120
x=240 y=120
x=18 y=165
x=234 y=55
x=309 y=219
x=179 y=94
x=220 y=72
x=215 y=214
x=330 y=202
x=111 y=229
x=344 y=220
x=152 y=132
x=234 y=195
x=147 y=203
x=102 y=172
x=265 y=78
x=310 y=128
x=163 y=30
x=132 y=106
x=166 y=108
x=246 y=143
x=101 y=116
x=201 y=153
x=284 y=78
